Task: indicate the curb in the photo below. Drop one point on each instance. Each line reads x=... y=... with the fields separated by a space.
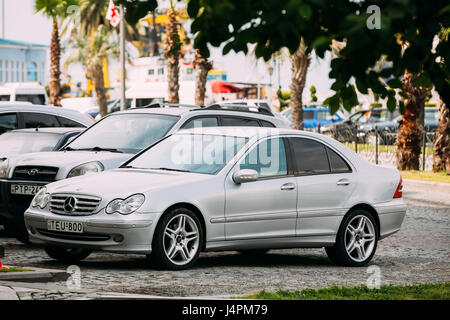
x=427 y=185
x=37 y=275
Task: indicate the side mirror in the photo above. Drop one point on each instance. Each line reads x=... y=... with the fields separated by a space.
x=245 y=175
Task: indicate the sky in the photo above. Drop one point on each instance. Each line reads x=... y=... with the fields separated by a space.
x=23 y=24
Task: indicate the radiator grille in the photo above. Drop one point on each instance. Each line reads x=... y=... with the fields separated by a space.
x=74 y=205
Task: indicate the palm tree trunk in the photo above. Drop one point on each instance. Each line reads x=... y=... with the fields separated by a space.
x=99 y=85
x=55 y=71
x=300 y=63
x=441 y=154
x=202 y=67
x=172 y=52
x=409 y=136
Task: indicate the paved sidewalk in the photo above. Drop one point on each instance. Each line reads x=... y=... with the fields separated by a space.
x=429 y=193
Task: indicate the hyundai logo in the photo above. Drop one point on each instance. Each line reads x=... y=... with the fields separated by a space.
x=69 y=204
x=33 y=172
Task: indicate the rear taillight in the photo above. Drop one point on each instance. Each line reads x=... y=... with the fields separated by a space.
x=399 y=191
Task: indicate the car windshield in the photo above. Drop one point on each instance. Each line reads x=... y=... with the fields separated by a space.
x=13 y=143
x=198 y=153
x=382 y=115
x=128 y=133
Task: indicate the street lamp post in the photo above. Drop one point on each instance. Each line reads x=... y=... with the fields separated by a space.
x=122 y=60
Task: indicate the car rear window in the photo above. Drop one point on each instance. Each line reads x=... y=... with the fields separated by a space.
x=310 y=156
x=239 y=122
x=33 y=98
x=39 y=120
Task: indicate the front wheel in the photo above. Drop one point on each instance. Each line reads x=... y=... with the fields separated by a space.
x=177 y=240
x=356 y=241
x=67 y=254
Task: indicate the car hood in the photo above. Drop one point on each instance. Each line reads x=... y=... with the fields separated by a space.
x=67 y=160
x=121 y=183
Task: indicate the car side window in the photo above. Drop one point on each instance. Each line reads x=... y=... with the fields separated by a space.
x=69 y=123
x=268 y=158
x=267 y=124
x=201 y=123
x=42 y=120
x=239 y=122
x=310 y=156
x=8 y=121
x=338 y=165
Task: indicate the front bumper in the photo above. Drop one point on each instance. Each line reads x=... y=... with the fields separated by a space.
x=13 y=206
x=104 y=232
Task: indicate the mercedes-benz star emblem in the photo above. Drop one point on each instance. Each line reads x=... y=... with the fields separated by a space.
x=33 y=172
x=69 y=204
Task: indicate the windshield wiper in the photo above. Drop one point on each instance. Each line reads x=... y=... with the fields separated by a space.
x=99 y=149
x=170 y=169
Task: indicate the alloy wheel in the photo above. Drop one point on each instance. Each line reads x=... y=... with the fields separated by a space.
x=360 y=238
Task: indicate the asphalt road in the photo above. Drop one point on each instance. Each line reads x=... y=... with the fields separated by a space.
x=419 y=253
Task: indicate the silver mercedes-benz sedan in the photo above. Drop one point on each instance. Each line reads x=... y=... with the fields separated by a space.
x=216 y=189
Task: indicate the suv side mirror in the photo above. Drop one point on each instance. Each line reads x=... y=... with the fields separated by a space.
x=245 y=175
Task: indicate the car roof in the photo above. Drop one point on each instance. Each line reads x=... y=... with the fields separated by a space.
x=58 y=130
x=247 y=132
x=179 y=111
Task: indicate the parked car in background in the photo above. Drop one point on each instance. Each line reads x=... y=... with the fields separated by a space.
x=16 y=142
x=314 y=116
x=24 y=115
x=250 y=102
x=345 y=131
x=23 y=92
x=271 y=189
x=108 y=143
x=86 y=105
x=387 y=130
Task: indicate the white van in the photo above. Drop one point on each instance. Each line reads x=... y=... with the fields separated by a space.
x=23 y=91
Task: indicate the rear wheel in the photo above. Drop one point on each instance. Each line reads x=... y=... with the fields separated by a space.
x=67 y=254
x=356 y=241
x=177 y=240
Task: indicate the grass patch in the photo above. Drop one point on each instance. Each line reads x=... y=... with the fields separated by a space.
x=437 y=291
x=14 y=269
x=426 y=176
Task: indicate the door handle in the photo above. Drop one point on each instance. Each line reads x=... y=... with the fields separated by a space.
x=288 y=186
x=343 y=182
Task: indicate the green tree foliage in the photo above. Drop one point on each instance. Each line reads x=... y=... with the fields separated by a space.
x=273 y=24
x=313 y=91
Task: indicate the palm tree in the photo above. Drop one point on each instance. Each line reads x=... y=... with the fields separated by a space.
x=300 y=63
x=409 y=135
x=172 y=53
x=441 y=153
x=55 y=9
x=202 y=67
x=90 y=52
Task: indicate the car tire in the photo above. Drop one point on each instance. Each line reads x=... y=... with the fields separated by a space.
x=356 y=242
x=70 y=255
x=177 y=241
x=254 y=252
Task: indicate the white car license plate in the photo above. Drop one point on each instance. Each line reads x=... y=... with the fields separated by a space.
x=65 y=226
x=25 y=189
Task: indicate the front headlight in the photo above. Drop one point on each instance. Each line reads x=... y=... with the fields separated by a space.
x=90 y=167
x=41 y=199
x=126 y=206
x=4 y=169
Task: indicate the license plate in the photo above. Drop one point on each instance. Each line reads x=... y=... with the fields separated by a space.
x=65 y=226
x=25 y=189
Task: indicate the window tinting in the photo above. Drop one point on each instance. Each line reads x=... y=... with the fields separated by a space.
x=338 y=164
x=8 y=122
x=310 y=156
x=267 y=124
x=268 y=158
x=200 y=123
x=42 y=120
x=33 y=98
x=239 y=122
x=69 y=123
